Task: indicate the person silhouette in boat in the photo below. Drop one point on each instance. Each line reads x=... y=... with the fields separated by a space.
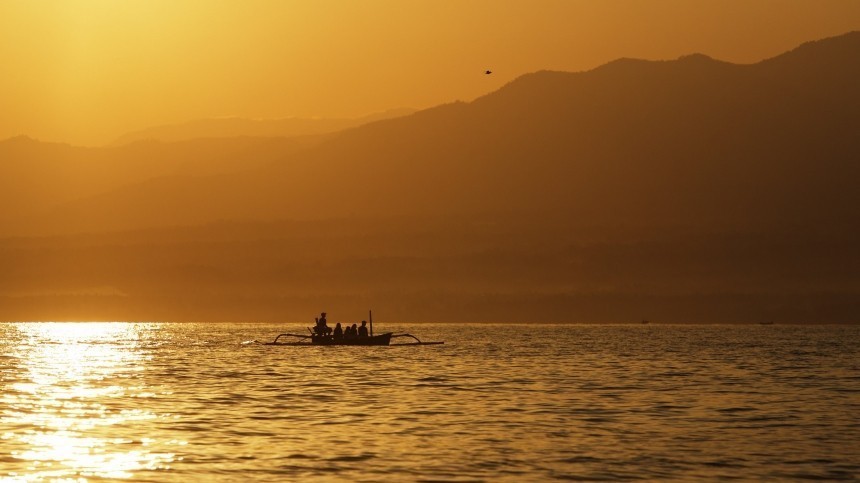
x=362 y=331
x=338 y=332
x=322 y=327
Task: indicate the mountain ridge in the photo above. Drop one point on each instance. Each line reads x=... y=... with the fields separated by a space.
x=689 y=191
x=669 y=140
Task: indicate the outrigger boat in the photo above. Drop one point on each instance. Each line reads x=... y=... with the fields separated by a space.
x=326 y=339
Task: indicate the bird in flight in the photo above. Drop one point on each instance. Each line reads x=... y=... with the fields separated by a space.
x=488 y=72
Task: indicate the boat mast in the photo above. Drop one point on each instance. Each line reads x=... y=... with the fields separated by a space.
x=370 y=312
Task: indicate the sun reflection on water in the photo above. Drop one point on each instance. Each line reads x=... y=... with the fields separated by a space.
x=71 y=397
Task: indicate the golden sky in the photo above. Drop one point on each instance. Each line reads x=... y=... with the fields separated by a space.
x=86 y=71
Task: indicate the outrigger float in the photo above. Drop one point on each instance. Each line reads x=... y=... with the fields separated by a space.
x=327 y=339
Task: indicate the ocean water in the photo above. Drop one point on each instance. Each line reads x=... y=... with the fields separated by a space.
x=205 y=402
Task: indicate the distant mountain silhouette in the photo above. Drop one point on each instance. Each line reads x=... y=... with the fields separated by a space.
x=37 y=177
x=687 y=190
x=235 y=126
x=691 y=142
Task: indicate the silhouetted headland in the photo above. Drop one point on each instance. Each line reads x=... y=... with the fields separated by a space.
x=691 y=189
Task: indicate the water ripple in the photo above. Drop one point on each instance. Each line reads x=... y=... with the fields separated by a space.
x=196 y=402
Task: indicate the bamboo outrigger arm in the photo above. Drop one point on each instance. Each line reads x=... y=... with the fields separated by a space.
x=290 y=335
x=417 y=340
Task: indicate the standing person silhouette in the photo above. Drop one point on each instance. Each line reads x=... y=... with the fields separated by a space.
x=322 y=327
x=362 y=331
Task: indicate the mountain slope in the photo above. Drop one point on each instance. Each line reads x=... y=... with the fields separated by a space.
x=678 y=191
x=234 y=126
x=36 y=177
x=692 y=142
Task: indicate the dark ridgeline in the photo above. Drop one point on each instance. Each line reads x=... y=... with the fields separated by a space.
x=691 y=189
x=693 y=141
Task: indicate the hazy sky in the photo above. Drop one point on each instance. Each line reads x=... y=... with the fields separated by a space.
x=86 y=71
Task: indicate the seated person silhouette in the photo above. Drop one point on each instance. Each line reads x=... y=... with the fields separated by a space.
x=362 y=331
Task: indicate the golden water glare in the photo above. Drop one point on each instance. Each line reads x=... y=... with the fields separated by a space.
x=69 y=414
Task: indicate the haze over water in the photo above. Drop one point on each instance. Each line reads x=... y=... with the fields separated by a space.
x=205 y=402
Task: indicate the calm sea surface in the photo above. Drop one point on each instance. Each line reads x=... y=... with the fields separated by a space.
x=204 y=402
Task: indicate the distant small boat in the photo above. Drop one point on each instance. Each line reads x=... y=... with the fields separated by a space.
x=645 y=321
x=769 y=322
x=315 y=339
x=318 y=340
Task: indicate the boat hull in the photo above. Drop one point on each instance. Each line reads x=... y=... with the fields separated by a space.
x=381 y=339
x=377 y=340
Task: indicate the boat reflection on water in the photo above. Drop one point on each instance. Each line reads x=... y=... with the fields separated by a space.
x=72 y=393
